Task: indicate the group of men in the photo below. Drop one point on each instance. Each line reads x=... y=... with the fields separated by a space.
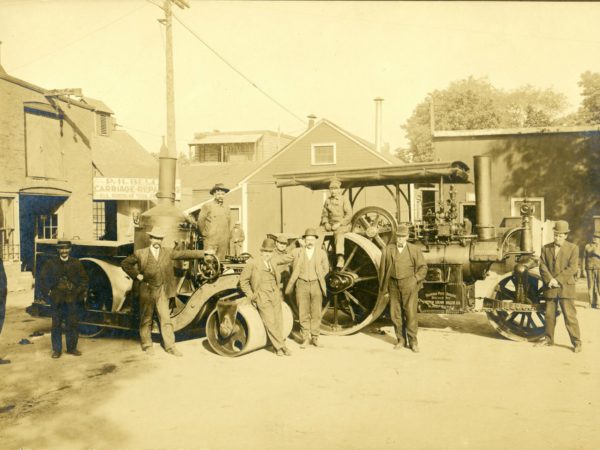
x=301 y=272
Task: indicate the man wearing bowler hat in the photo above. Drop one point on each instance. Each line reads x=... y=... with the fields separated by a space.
x=592 y=269
x=152 y=267
x=309 y=268
x=558 y=268
x=260 y=280
x=214 y=222
x=401 y=271
x=64 y=281
x=336 y=217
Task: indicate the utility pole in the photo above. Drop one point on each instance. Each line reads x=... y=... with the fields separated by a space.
x=168 y=152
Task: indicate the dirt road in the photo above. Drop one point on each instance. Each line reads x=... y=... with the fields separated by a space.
x=467 y=389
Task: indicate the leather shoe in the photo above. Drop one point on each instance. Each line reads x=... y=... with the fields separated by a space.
x=149 y=351
x=544 y=343
x=316 y=343
x=577 y=348
x=74 y=352
x=56 y=355
x=286 y=351
x=173 y=351
x=304 y=343
x=400 y=345
x=415 y=348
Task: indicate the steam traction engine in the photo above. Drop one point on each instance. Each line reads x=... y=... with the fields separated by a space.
x=457 y=259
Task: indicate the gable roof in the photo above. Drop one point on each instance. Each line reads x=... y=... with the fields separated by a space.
x=361 y=142
x=98 y=105
x=121 y=156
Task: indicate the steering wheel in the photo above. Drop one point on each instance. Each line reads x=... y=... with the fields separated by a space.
x=209 y=268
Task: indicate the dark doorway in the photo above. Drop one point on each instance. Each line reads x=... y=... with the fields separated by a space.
x=38 y=219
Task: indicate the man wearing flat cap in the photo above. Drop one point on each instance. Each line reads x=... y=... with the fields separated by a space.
x=558 y=268
x=152 y=267
x=65 y=282
x=309 y=268
x=214 y=222
x=401 y=271
x=336 y=217
x=260 y=280
x=591 y=258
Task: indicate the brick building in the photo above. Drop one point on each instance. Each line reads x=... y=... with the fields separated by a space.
x=65 y=171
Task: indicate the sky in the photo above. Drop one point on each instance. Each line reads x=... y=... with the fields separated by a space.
x=330 y=59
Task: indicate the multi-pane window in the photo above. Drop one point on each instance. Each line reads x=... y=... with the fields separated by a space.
x=99 y=220
x=105 y=220
x=323 y=154
x=47 y=226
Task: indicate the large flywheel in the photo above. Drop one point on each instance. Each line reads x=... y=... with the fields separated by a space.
x=352 y=303
x=375 y=224
x=520 y=325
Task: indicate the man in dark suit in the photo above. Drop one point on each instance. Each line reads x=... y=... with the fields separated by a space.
x=558 y=268
x=65 y=282
x=401 y=272
x=309 y=268
x=260 y=280
x=152 y=267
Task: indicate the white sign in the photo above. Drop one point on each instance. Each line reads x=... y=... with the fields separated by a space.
x=129 y=188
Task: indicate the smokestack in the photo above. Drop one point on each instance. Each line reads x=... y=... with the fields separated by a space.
x=378 y=128
x=311 y=121
x=483 y=197
x=167 y=168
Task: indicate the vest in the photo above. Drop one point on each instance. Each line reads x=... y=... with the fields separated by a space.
x=152 y=272
x=308 y=272
x=403 y=265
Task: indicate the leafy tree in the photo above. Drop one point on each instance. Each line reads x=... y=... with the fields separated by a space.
x=472 y=104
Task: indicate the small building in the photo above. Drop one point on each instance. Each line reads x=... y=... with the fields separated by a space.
x=236 y=146
x=555 y=168
x=264 y=208
x=67 y=172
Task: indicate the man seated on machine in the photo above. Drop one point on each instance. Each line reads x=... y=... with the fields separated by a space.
x=336 y=217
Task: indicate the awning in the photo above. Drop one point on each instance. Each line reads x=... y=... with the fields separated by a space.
x=450 y=172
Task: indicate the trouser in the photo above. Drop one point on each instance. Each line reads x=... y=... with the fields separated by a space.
x=269 y=308
x=403 y=308
x=593 y=282
x=310 y=302
x=67 y=312
x=3 y=291
x=155 y=299
x=219 y=244
x=235 y=248
x=339 y=238
x=567 y=305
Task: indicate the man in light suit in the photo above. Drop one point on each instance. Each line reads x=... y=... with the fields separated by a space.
x=401 y=272
x=152 y=267
x=309 y=268
x=558 y=268
x=260 y=280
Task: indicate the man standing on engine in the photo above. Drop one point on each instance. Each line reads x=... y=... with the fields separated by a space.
x=214 y=222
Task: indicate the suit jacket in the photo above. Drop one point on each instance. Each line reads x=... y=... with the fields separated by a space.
x=136 y=264
x=387 y=264
x=251 y=276
x=298 y=258
x=562 y=266
x=64 y=282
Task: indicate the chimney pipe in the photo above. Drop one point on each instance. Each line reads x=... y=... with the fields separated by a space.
x=167 y=168
x=378 y=127
x=483 y=197
x=311 y=121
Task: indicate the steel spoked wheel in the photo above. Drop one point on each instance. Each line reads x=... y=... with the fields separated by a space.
x=375 y=224
x=352 y=303
x=519 y=325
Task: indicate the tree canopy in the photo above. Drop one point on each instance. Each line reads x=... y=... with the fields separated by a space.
x=473 y=103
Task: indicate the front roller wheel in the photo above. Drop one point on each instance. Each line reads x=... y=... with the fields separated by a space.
x=519 y=325
x=248 y=333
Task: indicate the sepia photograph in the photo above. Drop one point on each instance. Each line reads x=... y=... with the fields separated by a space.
x=299 y=225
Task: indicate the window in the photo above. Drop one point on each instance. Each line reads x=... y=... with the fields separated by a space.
x=322 y=154
x=47 y=226
x=102 y=124
x=105 y=220
x=9 y=251
x=537 y=202
x=43 y=142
